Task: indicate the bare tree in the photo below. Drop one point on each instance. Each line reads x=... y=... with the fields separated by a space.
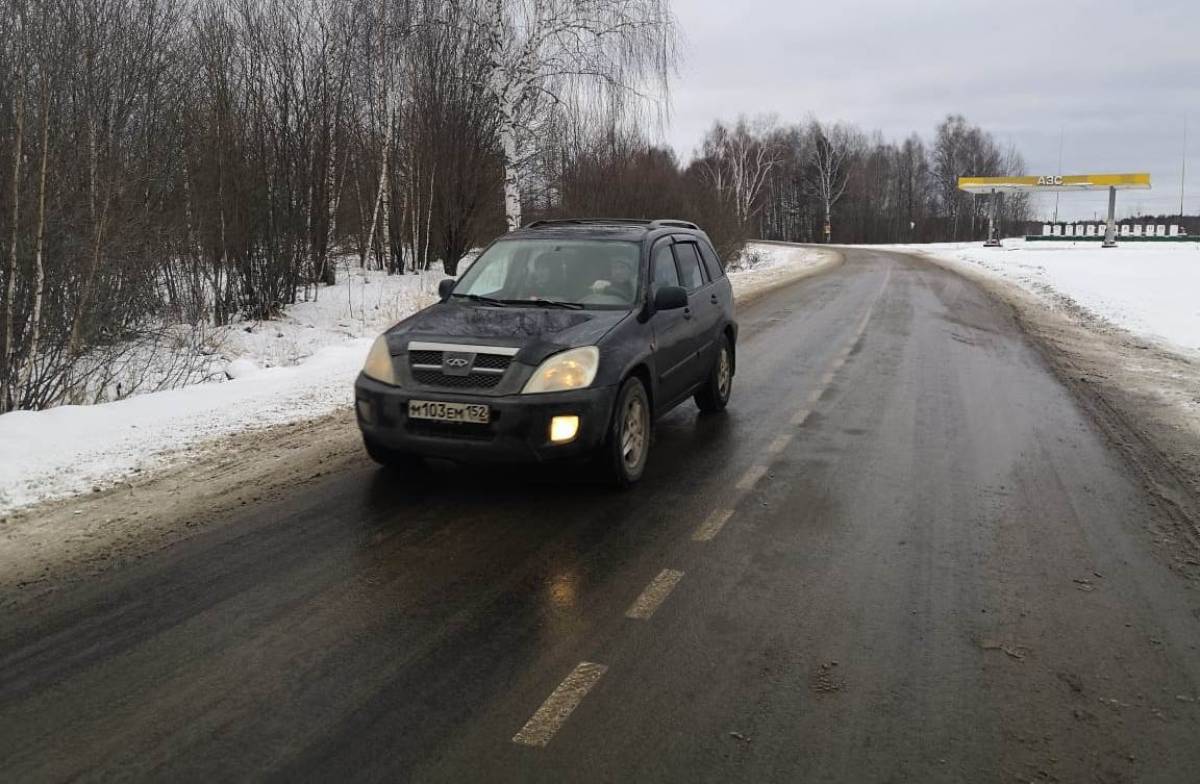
x=611 y=55
x=739 y=160
x=15 y=45
x=832 y=157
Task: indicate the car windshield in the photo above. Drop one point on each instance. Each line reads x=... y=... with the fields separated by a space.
x=600 y=274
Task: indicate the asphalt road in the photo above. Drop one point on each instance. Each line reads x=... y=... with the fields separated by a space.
x=904 y=554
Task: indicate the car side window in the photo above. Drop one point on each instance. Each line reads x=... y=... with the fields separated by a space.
x=663 y=263
x=711 y=261
x=691 y=276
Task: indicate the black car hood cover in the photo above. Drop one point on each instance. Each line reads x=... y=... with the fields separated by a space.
x=511 y=326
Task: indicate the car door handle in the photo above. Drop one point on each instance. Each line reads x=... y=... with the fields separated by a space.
x=713 y=299
x=687 y=313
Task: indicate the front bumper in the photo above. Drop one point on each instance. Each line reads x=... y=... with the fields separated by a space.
x=519 y=429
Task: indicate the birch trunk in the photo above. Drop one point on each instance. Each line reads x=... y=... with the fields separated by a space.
x=429 y=219
x=10 y=291
x=333 y=186
x=39 y=269
x=97 y=214
x=512 y=184
x=381 y=190
x=385 y=202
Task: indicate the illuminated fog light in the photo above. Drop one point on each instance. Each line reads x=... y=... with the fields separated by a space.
x=563 y=429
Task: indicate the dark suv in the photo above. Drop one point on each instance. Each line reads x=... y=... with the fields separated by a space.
x=563 y=339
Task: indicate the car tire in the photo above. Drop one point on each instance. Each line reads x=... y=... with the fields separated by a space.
x=714 y=394
x=628 y=445
x=390 y=458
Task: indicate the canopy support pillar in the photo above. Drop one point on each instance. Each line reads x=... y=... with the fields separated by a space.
x=992 y=242
x=1110 y=229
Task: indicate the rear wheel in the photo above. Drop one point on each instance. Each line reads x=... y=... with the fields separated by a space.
x=390 y=458
x=714 y=394
x=629 y=438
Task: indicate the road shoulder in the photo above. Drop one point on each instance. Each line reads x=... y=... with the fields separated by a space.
x=52 y=545
x=1143 y=395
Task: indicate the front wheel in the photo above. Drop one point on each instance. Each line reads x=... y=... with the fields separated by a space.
x=628 y=443
x=714 y=395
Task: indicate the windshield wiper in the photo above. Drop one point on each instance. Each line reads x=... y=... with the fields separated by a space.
x=546 y=303
x=480 y=298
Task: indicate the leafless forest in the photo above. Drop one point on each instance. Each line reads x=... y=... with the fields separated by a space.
x=175 y=165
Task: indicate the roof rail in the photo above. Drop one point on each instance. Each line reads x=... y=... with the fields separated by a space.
x=585 y=221
x=653 y=224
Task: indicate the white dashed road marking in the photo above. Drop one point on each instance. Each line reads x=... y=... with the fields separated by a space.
x=779 y=444
x=558 y=706
x=654 y=595
x=752 y=476
x=799 y=417
x=712 y=525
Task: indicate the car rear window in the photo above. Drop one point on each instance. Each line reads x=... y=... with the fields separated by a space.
x=711 y=261
x=690 y=274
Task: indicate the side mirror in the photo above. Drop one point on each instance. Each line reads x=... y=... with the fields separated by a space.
x=670 y=298
x=445 y=287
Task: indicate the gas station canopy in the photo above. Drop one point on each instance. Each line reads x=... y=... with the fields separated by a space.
x=1056 y=183
x=1062 y=183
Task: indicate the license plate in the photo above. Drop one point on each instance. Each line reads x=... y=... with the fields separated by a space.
x=448 y=412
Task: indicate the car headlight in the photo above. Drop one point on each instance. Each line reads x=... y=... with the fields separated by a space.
x=574 y=369
x=379 y=362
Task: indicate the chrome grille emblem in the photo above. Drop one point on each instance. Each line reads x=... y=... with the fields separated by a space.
x=457 y=364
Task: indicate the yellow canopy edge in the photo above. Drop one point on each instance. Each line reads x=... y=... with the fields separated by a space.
x=1060 y=182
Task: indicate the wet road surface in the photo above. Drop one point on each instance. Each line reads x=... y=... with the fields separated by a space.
x=904 y=554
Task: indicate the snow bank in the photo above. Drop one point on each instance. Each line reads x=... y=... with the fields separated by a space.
x=361 y=305
x=298 y=367
x=763 y=266
x=1149 y=289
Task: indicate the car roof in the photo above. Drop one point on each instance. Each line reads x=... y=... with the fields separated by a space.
x=604 y=228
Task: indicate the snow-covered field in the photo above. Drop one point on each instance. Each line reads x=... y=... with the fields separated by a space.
x=1149 y=289
x=298 y=367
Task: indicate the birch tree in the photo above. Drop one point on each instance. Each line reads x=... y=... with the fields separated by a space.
x=612 y=55
x=739 y=161
x=832 y=153
x=15 y=44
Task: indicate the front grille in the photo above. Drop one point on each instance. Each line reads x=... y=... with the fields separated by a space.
x=435 y=378
x=426 y=368
x=425 y=358
x=493 y=361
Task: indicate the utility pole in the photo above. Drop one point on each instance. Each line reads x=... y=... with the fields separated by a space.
x=1061 y=128
x=1183 y=169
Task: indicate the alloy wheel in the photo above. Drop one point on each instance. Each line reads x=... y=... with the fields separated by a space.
x=633 y=432
x=724 y=374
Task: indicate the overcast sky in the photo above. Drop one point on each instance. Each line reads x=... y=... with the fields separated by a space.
x=1117 y=77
